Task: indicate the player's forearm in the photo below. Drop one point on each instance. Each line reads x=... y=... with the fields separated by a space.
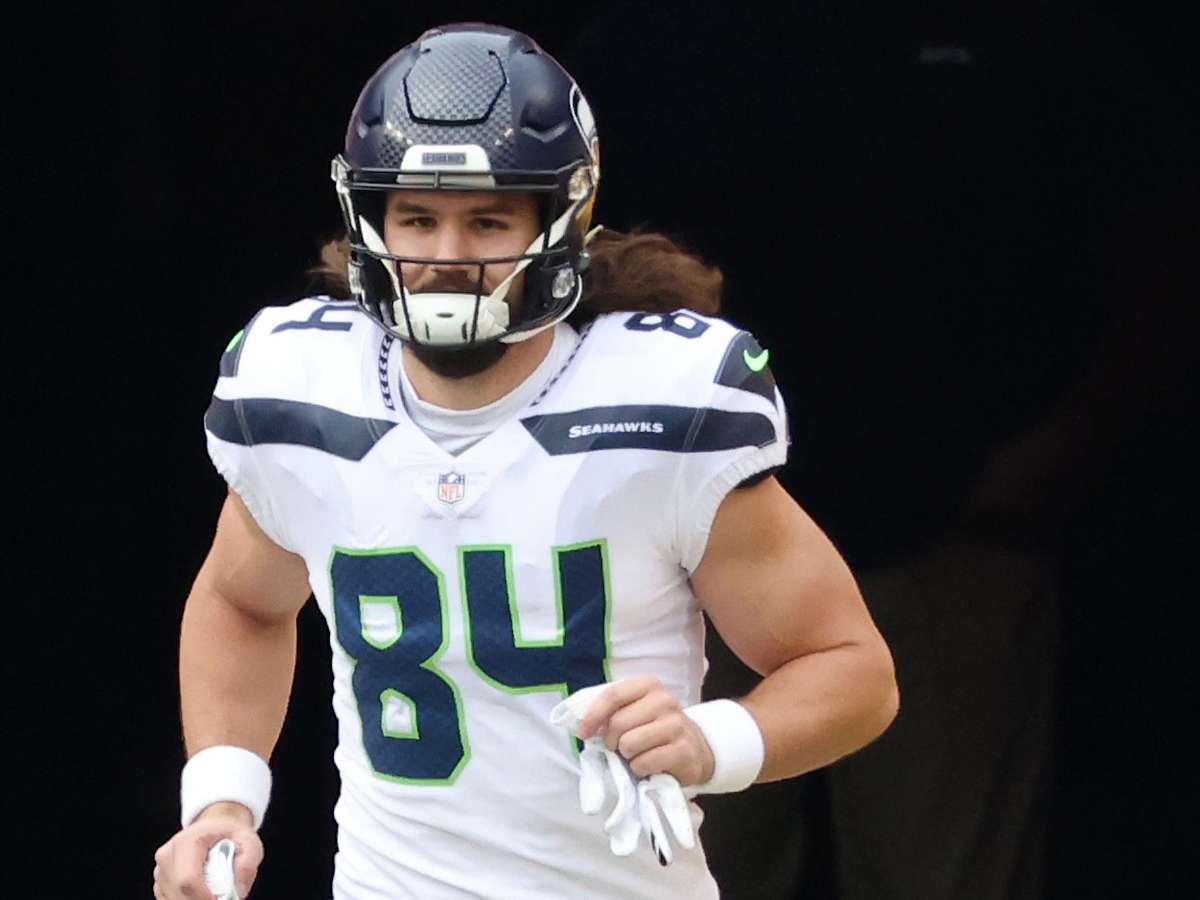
x=235 y=674
x=823 y=706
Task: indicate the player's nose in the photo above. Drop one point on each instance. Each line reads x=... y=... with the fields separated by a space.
x=452 y=242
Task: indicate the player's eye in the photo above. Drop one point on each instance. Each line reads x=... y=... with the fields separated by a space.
x=486 y=224
x=417 y=222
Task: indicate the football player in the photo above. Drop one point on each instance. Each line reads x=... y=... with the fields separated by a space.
x=516 y=474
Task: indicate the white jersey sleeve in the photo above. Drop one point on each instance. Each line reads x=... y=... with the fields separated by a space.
x=743 y=398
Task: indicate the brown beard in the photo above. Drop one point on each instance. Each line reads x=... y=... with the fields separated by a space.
x=459 y=363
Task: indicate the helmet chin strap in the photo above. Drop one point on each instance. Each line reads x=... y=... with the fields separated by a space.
x=440 y=314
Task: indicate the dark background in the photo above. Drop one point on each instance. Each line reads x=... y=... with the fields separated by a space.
x=946 y=225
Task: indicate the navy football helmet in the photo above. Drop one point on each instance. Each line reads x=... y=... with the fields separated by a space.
x=470 y=107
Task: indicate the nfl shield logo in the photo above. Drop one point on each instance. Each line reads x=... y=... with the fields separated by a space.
x=452 y=487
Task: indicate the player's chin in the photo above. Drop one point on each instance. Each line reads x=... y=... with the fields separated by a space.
x=459 y=362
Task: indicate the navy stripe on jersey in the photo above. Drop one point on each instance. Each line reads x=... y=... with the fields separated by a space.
x=735 y=370
x=266 y=421
x=676 y=429
x=233 y=354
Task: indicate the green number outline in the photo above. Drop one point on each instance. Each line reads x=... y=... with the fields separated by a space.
x=430 y=665
x=510 y=586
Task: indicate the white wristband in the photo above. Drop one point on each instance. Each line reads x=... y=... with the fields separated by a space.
x=224 y=773
x=736 y=743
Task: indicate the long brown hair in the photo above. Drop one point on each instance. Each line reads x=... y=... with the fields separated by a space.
x=635 y=271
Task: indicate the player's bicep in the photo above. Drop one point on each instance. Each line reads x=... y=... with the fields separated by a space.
x=249 y=570
x=773 y=584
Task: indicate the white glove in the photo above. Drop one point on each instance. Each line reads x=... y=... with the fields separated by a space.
x=603 y=773
x=638 y=801
x=658 y=796
x=218 y=870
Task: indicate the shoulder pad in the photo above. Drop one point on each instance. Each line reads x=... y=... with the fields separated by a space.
x=686 y=346
x=269 y=355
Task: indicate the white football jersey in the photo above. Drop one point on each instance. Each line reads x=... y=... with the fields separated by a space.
x=466 y=595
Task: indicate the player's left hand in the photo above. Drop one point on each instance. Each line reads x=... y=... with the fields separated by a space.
x=654 y=804
x=644 y=722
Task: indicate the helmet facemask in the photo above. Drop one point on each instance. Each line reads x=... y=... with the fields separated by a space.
x=552 y=264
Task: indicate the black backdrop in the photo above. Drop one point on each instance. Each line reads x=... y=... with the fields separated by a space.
x=931 y=220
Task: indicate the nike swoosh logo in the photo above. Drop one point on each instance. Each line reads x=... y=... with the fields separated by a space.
x=756 y=363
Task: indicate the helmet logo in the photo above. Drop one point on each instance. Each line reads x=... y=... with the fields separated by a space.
x=581 y=112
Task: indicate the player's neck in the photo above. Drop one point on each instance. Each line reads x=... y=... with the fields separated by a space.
x=488 y=386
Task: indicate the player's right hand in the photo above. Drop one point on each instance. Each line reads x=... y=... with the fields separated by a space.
x=179 y=863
